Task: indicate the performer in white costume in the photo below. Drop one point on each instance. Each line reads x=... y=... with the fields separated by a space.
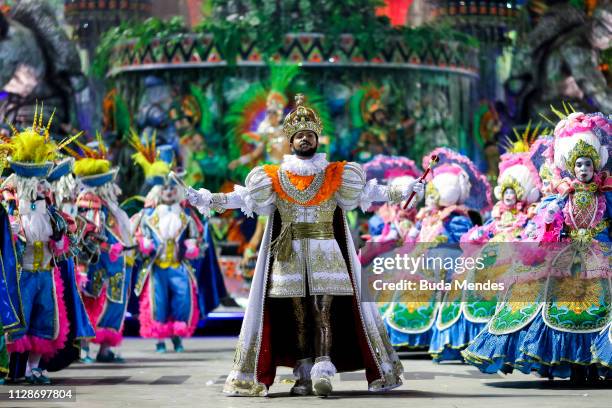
x=307 y=270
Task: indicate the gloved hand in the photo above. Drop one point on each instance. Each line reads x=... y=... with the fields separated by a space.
x=418 y=187
x=200 y=199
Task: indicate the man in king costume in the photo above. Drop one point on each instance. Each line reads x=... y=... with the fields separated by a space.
x=307 y=271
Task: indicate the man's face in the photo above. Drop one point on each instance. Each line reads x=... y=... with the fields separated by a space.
x=509 y=197
x=583 y=169
x=169 y=194
x=304 y=143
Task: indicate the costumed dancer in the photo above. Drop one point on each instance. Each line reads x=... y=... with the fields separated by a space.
x=168 y=240
x=64 y=191
x=389 y=229
x=498 y=346
x=40 y=233
x=518 y=189
x=307 y=270
x=578 y=290
x=455 y=194
x=107 y=248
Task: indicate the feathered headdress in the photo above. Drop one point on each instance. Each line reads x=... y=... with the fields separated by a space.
x=153 y=160
x=33 y=150
x=92 y=165
x=521 y=142
x=364 y=102
x=519 y=167
x=580 y=135
x=248 y=112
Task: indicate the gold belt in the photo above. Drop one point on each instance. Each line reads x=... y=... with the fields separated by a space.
x=167 y=264
x=313 y=230
x=281 y=246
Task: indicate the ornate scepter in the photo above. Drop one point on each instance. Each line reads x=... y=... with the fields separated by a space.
x=432 y=162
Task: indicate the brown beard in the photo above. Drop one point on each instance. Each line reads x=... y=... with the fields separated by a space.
x=307 y=153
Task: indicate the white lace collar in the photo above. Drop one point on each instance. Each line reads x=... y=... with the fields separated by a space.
x=304 y=167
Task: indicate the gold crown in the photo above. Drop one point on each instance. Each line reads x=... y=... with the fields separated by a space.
x=510 y=182
x=582 y=149
x=301 y=118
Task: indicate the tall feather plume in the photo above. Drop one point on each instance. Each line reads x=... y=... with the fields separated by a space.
x=13 y=129
x=64 y=143
x=101 y=145
x=557 y=112
x=547 y=119
x=148 y=149
x=40 y=119
x=48 y=127
x=35 y=115
x=521 y=142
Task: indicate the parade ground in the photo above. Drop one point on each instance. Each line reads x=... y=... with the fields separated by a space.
x=195 y=378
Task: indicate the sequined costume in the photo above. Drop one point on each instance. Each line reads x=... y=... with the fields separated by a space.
x=456 y=190
x=307 y=256
x=168 y=240
x=389 y=229
x=41 y=238
x=107 y=247
x=578 y=293
x=498 y=346
x=572 y=281
x=64 y=190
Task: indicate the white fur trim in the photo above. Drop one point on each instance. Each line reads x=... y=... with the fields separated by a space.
x=323 y=369
x=304 y=167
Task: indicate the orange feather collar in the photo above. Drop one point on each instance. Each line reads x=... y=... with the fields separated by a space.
x=333 y=180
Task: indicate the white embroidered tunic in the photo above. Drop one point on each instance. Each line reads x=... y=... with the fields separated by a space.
x=315 y=265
